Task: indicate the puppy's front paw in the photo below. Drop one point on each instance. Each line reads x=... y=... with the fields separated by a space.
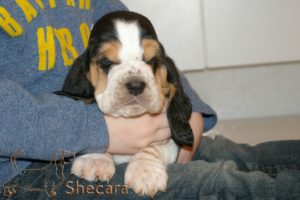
x=146 y=177
x=93 y=167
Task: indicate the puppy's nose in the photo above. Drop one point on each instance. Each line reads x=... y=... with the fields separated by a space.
x=135 y=87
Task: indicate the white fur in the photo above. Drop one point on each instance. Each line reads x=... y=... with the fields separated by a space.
x=130 y=37
x=115 y=99
x=94 y=166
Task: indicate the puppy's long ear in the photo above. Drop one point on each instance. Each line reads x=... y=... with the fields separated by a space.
x=76 y=84
x=180 y=108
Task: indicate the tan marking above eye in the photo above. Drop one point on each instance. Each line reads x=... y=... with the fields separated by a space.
x=151 y=49
x=110 y=50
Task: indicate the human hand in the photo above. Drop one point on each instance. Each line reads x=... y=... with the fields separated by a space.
x=186 y=153
x=130 y=135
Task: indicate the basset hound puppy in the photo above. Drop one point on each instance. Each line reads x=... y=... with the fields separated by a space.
x=126 y=71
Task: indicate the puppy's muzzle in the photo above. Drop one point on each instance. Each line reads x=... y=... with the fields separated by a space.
x=135 y=87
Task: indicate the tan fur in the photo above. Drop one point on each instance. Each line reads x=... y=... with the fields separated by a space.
x=151 y=49
x=168 y=89
x=97 y=77
x=172 y=90
x=161 y=78
x=152 y=151
x=110 y=50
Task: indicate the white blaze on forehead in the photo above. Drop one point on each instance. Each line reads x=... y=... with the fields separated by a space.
x=129 y=36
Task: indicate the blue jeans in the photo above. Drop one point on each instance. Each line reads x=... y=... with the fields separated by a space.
x=221 y=169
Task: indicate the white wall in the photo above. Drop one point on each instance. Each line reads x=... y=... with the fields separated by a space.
x=251 y=31
x=250 y=92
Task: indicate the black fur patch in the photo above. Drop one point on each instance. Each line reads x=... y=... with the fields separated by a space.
x=76 y=84
x=104 y=26
x=180 y=108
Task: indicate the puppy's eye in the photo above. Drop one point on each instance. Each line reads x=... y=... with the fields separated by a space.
x=105 y=63
x=153 y=62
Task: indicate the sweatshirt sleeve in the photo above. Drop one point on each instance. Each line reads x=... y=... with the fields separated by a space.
x=208 y=114
x=106 y=6
x=44 y=126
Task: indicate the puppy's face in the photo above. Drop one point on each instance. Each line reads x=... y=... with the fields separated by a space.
x=127 y=72
x=126 y=66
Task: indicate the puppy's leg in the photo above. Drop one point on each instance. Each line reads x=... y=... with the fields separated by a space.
x=94 y=166
x=146 y=172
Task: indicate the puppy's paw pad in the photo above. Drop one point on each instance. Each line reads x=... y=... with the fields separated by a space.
x=146 y=177
x=93 y=167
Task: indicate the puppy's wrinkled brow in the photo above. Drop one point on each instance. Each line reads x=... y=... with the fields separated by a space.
x=110 y=50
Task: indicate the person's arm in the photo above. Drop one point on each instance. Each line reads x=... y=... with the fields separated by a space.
x=45 y=125
x=203 y=119
x=186 y=153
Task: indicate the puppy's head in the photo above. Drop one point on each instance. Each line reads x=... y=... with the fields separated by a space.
x=127 y=72
x=122 y=68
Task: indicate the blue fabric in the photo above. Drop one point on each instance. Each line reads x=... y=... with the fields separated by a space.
x=208 y=114
x=32 y=119
x=21 y=53
x=38 y=45
x=226 y=171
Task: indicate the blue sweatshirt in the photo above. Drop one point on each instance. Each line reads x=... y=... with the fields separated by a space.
x=39 y=41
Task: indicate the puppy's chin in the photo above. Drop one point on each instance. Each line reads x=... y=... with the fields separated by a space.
x=116 y=109
x=129 y=111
